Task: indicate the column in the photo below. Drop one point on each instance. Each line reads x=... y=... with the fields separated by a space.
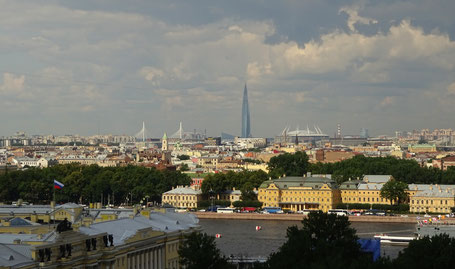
x=155 y=259
x=145 y=266
x=150 y=258
x=160 y=257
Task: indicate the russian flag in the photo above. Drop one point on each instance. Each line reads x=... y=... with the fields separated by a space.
x=58 y=185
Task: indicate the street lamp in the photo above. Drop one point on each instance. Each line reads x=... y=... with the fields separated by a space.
x=211 y=197
x=147 y=199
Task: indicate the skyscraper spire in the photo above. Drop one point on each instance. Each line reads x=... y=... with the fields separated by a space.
x=246 y=131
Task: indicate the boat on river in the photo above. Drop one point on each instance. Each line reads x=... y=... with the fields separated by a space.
x=394 y=240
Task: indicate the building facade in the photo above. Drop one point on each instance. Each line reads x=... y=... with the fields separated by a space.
x=182 y=197
x=300 y=193
x=142 y=240
x=425 y=198
x=365 y=191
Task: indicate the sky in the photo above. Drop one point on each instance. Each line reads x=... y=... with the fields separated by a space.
x=105 y=66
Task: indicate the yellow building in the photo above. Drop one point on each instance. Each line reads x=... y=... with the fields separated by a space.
x=42 y=213
x=419 y=148
x=424 y=198
x=230 y=195
x=366 y=191
x=148 y=240
x=182 y=197
x=299 y=193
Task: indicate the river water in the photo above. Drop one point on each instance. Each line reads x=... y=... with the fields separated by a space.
x=239 y=237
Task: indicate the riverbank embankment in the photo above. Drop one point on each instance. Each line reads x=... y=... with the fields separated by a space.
x=298 y=217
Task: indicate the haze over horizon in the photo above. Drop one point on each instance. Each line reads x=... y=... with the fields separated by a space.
x=90 y=67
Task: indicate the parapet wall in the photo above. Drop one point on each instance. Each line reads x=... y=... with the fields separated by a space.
x=298 y=217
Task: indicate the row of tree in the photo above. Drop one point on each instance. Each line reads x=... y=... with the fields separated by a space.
x=326 y=241
x=408 y=171
x=245 y=181
x=85 y=184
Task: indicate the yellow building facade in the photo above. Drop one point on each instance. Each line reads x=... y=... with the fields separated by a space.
x=424 y=198
x=300 y=193
x=182 y=197
x=143 y=240
x=365 y=191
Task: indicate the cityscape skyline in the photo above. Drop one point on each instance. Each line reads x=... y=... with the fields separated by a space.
x=368 y=64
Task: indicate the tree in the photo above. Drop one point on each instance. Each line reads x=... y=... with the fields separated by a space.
x=428 y=252
x=394 y=191
x=324 y=241
x=290 y=164
x=183 y=157
x=248 y=192
x=184 y=167
x=199 y=251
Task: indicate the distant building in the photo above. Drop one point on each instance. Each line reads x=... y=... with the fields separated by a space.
x=30 y=162
x=420 y=148
x=301 y=136
x=246 y=125
x=164 y=146
x=251 y=142
x=213 y=141
x=364 y=133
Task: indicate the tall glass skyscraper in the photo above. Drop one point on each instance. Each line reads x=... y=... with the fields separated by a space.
x=246 y=131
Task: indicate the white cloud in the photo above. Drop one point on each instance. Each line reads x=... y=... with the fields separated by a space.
x=12 y=84
x=355 y=18
x=451 y=89
x=388 y=100
x=88 y=60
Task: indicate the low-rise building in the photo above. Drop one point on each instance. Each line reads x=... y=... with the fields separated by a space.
x=299 y=193
x=428 y=198
x=420 y=148
x=182 y=197
x=365 y=191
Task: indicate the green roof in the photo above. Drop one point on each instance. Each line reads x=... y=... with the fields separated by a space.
x=292 y=182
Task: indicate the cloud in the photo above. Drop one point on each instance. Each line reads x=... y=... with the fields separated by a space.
x=451 y=89
x=123 y=62
x=388 y=100
x=12 y=84
x=354 y=18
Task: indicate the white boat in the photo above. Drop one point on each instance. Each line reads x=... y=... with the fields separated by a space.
x=394 y=240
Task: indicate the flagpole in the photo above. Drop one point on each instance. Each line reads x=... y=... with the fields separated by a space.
x=55 y=203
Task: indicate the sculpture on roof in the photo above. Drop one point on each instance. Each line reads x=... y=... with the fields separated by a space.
x=63 y=226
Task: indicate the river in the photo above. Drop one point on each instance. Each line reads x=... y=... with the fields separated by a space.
x=239 y=237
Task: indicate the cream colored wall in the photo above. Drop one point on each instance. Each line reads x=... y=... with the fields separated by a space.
x=181 y=200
